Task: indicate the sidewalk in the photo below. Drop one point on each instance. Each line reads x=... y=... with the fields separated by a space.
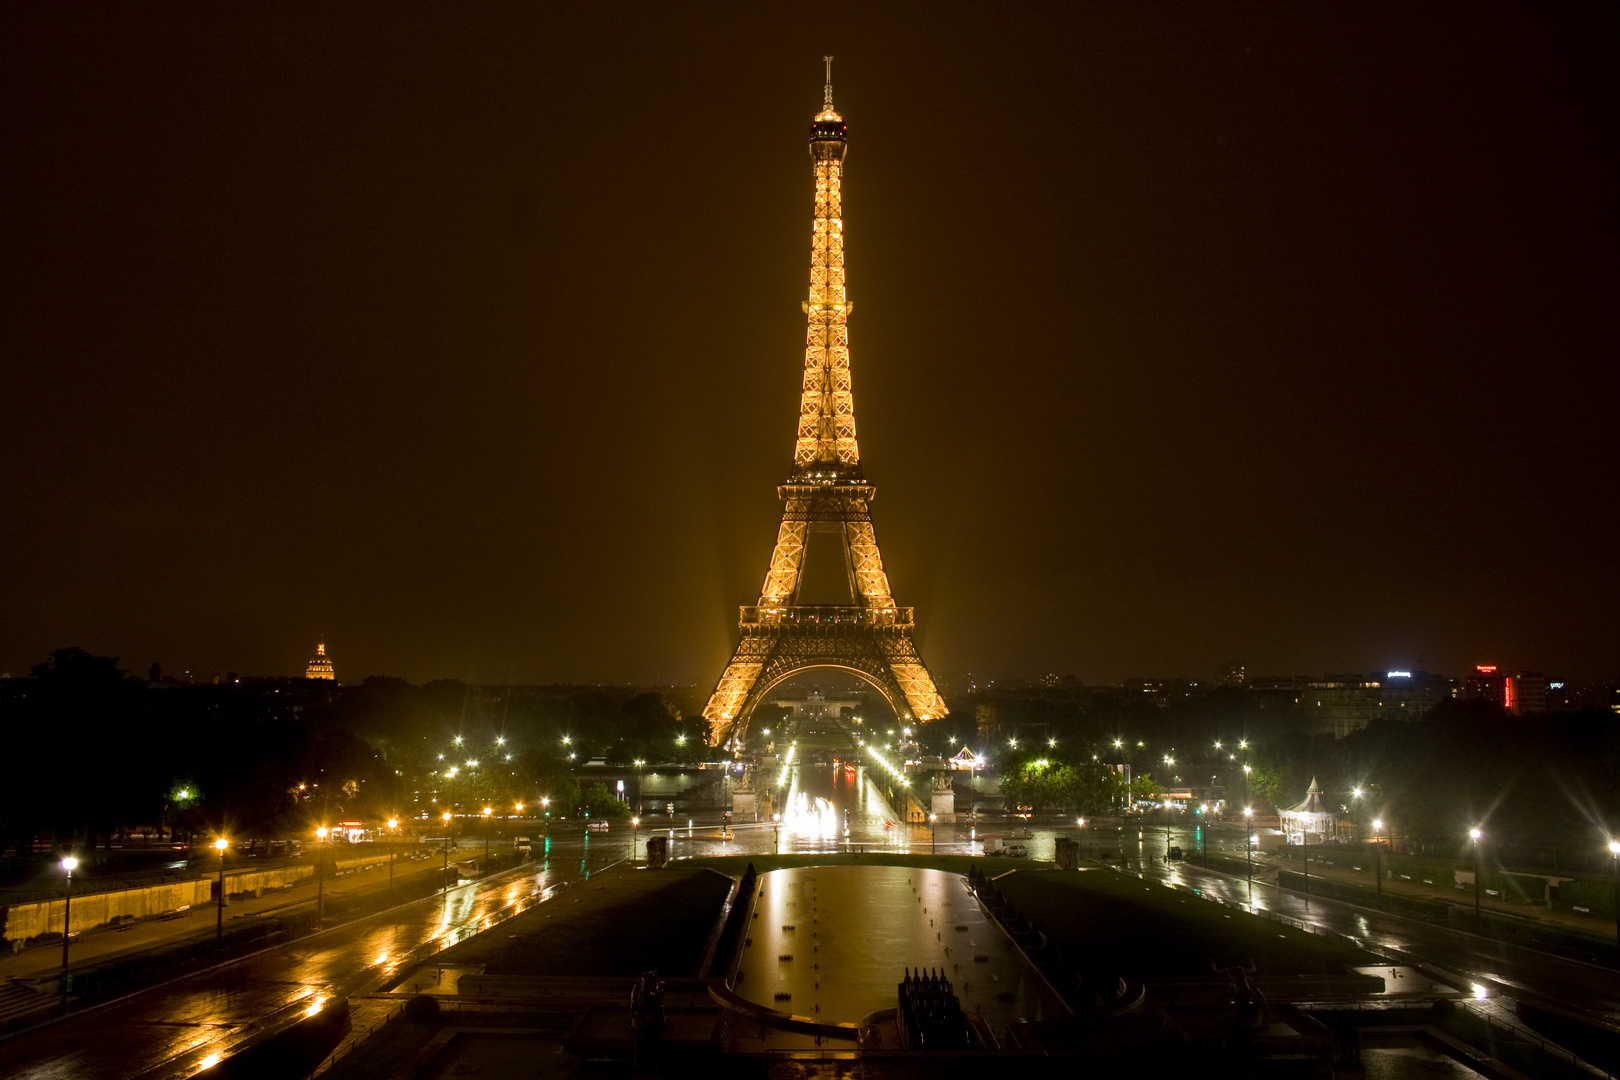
x=1347 y=874
x=95 y=946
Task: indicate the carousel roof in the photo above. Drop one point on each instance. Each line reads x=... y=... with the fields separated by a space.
x=1313 y=804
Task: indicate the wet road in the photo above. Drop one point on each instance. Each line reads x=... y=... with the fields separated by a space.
x=179 y=1029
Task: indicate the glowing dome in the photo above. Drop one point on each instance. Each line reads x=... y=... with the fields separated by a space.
x=320 y=666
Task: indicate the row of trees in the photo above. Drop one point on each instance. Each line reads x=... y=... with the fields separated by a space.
x=1545 y=786
x=99 y=753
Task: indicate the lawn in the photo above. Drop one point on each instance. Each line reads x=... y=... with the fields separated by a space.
x=1105 y=921
x=621 y=923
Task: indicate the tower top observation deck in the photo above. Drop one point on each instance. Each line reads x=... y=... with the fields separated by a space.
x=829 y=135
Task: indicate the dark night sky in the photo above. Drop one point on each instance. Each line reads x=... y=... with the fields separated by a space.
x=469 y=337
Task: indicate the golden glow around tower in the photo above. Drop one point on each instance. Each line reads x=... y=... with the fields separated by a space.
x=870 y=636
x=320 y=666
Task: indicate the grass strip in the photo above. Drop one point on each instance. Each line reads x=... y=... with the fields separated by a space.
x=621 y=923
x=1114 y=923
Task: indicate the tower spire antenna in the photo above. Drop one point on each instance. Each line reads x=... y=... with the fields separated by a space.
x=827 y=99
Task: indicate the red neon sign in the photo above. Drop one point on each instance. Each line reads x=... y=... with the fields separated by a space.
x=1485 y=669
x=1507 y=694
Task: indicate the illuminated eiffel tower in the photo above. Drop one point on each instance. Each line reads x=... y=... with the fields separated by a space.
x=826 y=495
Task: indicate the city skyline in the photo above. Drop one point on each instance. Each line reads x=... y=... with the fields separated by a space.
x=1181 y=339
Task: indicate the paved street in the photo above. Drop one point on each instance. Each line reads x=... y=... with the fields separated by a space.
x=175 y=1030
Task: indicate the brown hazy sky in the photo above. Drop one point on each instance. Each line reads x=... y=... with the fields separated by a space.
x=468 y=337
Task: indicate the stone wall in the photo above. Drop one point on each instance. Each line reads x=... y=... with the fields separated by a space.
x=24 y=921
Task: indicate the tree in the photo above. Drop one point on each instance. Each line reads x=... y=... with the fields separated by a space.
x=598 y=800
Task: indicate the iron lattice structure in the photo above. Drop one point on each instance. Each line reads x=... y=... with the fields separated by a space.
x=826 y=492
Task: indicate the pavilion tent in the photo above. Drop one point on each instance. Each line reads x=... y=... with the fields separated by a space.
x=1312 y=816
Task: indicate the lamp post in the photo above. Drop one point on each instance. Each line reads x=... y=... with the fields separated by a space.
x=489 y=826
x=1474 y=834
x=933 y=821
x=776 y=824
x=635 y=836
x=219 y=920
x=639 y=764
x=1305 y=849
x=393 y=851
x=68 y=865
x=1248 y=845
x=320 y=876
x=1614 y=849
x=1378 y=858
x=1167 y=830
x=1080 y=823
x=444 y=878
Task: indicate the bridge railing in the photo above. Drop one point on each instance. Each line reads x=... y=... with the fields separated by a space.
x=825 y=615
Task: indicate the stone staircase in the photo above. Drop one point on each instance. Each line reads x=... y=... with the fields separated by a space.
x=19 y=1000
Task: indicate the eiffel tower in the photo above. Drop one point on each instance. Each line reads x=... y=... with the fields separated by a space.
x=826 y=495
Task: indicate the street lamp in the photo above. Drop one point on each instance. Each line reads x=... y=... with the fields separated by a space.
x=1248 y=845
x=1167 y=830
x=1378 y=858
x=639 y=764
x=933 y=820
x=1614 y=849
x=219 y=921
x=776 y=824
x=68 y=865
x=489 y=825
x=444 y=878
x=635 y=839
x=393 y=851
x=1475 y=834
x=320 y=878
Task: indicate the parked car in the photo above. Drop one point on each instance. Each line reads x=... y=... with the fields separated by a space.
x=596 y=826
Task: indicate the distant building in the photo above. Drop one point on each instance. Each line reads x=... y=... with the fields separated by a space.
x=1486 y=683
x=816 y=705
x=320 y=666
x=1231 y=674
x=1340 y=704
x=1525 y=694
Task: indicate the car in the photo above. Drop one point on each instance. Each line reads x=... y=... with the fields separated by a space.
x=596 y=826
x=1175 y=853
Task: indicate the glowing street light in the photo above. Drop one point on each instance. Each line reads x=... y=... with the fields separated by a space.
x=933 y=821
x=320 y=875
x=219 y=921
x=444 y=878
x=1614 y=849
x=635 y=839
x=393 y=851
x=1475 y=834
x=1378 y=857
x=69 y=864
x=1248 y=845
